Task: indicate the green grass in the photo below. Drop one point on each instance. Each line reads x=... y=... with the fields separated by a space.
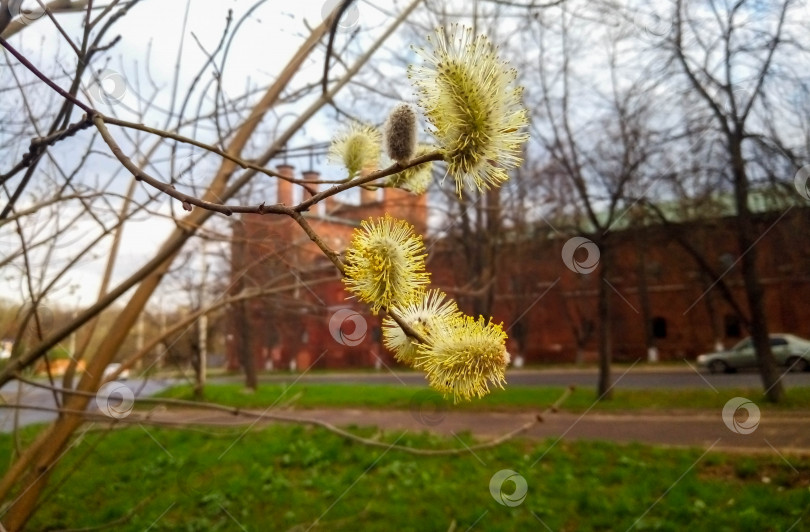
x=513 y=397
x=289 y=477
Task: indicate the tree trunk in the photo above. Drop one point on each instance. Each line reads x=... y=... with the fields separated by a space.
x=196 y=364
x=39 y=459
x=643 y=293
x=493 y=241
x=604 y=390
x=246 y=355
x=774 y=391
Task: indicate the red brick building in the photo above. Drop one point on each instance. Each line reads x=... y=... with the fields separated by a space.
x=290 y=328
x=658 y=294
x=656 y=287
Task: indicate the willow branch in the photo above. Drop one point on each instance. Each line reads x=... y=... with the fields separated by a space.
x=45 y=79
x=329 y=252
x=373 y=176
x=189 y=200
x=39 y=144
x=208 y=147
x=138 y=418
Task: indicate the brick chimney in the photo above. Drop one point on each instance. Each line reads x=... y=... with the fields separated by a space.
x=367 y=196
x=313 y=175
x=331 y=204
x=284 y=194
x=402 y=204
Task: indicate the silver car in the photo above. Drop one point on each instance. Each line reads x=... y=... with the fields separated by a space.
x=788 y=350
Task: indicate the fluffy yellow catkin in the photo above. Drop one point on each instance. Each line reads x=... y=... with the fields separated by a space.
x=464 y=356
x=469 y=97
x=385 y=263
x=401 y=133
x=423 y=315
x=415 y=179
x=356 y=147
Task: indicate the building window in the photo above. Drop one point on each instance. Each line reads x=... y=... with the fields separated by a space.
x=654 y=270
x=726 y=260
x=732 y=326
x=659 y=327
x=587 y=328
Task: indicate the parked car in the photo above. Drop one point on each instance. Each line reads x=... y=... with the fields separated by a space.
x=788 y=350
x=112 y=368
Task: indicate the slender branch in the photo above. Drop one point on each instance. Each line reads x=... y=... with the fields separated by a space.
x=336 y=15
x=38 y=145
x=187 y=140
x=61 y=30
x=140 y=175
x=188 y=200
x=391 y=170
x=138 y=418
x=45 y=79
x=329 y=252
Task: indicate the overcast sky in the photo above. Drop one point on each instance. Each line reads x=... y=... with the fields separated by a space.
x=139 y=73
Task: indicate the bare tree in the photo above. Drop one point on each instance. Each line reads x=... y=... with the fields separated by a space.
x=237 y=122
x=731 y=56
x=593 y=126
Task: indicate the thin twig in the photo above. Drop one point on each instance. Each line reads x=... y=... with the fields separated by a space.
x=45 y=79
x=236 y=411
x=38 y=145
x=188 y=200
x=187 y=140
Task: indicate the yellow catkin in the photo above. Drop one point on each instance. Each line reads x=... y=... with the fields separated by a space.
x=385 y=263
x=475 y=110
x=463 y=356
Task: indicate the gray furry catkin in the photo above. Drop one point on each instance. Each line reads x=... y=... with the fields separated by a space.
x=400 y=133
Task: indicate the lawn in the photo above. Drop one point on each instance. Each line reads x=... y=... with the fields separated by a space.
x=513 y=397
x=291 y=478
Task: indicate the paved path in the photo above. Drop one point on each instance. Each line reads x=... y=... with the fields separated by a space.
x=783 y=434
x=15 y=392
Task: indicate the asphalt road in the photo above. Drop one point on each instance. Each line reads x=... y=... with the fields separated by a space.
x=23 y=394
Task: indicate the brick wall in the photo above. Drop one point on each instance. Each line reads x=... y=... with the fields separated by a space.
x=544 y=305
x=291 y=327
